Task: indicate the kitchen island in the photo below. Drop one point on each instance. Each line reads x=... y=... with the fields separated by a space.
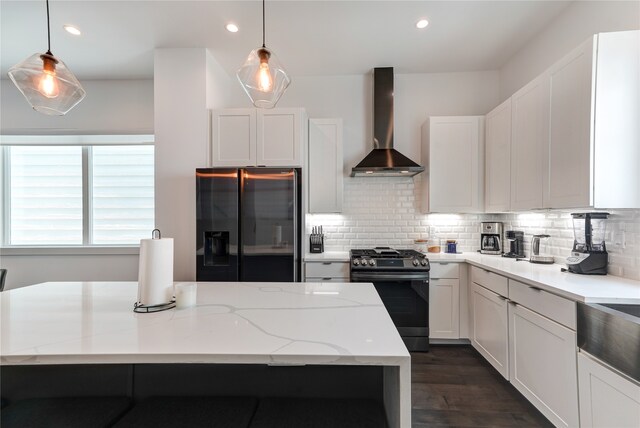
x=247 y=328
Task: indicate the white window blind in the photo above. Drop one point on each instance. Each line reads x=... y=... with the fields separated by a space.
x=98 y=192
x=122 y=194
x=46 y=195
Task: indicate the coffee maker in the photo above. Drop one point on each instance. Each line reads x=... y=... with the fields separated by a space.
x=589 y=254
x=491 y=238
x=516 y=244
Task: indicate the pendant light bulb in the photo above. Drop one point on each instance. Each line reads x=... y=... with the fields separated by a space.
x=265 y=82
x=48 y=84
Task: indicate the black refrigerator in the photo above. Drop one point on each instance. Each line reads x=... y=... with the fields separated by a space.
x=248 y=224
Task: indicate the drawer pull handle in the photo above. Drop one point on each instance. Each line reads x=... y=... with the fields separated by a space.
x=444 y=263
x=326 y=279
x=326 y=263
x=434 y=279
x=501 y=297
x=535 y=288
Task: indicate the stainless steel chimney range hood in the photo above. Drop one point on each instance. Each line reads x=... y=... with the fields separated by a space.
x=384 y=160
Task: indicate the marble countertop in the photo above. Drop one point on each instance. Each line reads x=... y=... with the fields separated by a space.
x=257 y=323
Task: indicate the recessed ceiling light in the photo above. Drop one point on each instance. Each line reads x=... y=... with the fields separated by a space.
x=72 y=30
x=422 y=23
x=232 y=28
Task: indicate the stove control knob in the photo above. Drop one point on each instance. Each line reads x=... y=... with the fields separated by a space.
x=415 y=262
x=372 y=262
x=356 y=262
x=423 y=262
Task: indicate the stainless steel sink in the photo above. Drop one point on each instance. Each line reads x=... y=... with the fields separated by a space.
x=611 y=333
x=633 y=310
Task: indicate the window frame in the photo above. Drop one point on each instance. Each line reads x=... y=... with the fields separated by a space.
x=87 y=142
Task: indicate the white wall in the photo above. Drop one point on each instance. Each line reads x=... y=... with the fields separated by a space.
x=181 y=131
x=110 y=107
x=572 y=27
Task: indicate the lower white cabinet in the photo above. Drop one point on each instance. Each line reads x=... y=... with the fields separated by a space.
x=543 y=366
x=323 y=271
x=489 y=329
x=444 y=308
x=607 y=399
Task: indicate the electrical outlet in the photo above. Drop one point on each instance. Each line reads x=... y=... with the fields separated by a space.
x=620 y=239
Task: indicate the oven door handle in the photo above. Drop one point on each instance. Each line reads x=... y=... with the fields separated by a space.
x=387 y=276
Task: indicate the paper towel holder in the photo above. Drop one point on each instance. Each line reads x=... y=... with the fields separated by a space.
x=141 y=308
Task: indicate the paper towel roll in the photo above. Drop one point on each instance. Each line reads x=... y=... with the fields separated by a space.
x=277 y=235
x=155 y=272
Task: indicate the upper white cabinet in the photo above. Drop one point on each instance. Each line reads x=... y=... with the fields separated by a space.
x=233 y=137
x=529 y=134
x=593 y=151
x=453 y=152
x=258 y=137
x=325 y=166
x=498 y=159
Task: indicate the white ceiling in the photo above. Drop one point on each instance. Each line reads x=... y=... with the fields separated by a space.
x=310 y=37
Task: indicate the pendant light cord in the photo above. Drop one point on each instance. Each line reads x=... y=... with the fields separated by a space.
x=48 y=32
x=262 y=22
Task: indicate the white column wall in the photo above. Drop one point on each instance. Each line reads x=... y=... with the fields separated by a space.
x=181 y=123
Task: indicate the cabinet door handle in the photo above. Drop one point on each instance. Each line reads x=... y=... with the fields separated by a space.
x=326 y=279
x=326 y=263
x=535 y=288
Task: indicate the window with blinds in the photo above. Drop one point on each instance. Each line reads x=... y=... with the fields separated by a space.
x=122 y=194
x=45 y=195
x=58 y=195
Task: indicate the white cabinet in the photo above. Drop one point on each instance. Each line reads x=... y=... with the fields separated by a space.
x=325 y=166
x=258 y=137
x=607 y=398
x=529 y=135
x=498 y=158
x=542 y=358
x=323 y=271
x=489 y=327
x=444 y=301
x=592 y=151
x=453 y=151
x=233 y=136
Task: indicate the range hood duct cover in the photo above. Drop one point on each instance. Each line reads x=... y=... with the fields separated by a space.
x=384 y=160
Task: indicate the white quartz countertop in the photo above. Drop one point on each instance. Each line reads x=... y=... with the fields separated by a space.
x=581 y=288
x=258 y=323
x=329 y=256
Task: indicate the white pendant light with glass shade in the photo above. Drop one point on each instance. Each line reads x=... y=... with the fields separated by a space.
x=262 y=76
x=46 y=82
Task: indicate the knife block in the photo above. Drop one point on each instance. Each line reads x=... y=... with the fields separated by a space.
x=316 y=243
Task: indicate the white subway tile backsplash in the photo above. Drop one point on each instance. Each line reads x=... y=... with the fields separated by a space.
x=381 y=211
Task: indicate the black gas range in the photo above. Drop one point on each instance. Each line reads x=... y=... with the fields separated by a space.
x=401 y=278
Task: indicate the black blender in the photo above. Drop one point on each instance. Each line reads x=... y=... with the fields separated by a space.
x=589 y=254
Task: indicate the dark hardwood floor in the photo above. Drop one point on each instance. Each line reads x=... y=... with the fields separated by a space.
x=453 y=386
